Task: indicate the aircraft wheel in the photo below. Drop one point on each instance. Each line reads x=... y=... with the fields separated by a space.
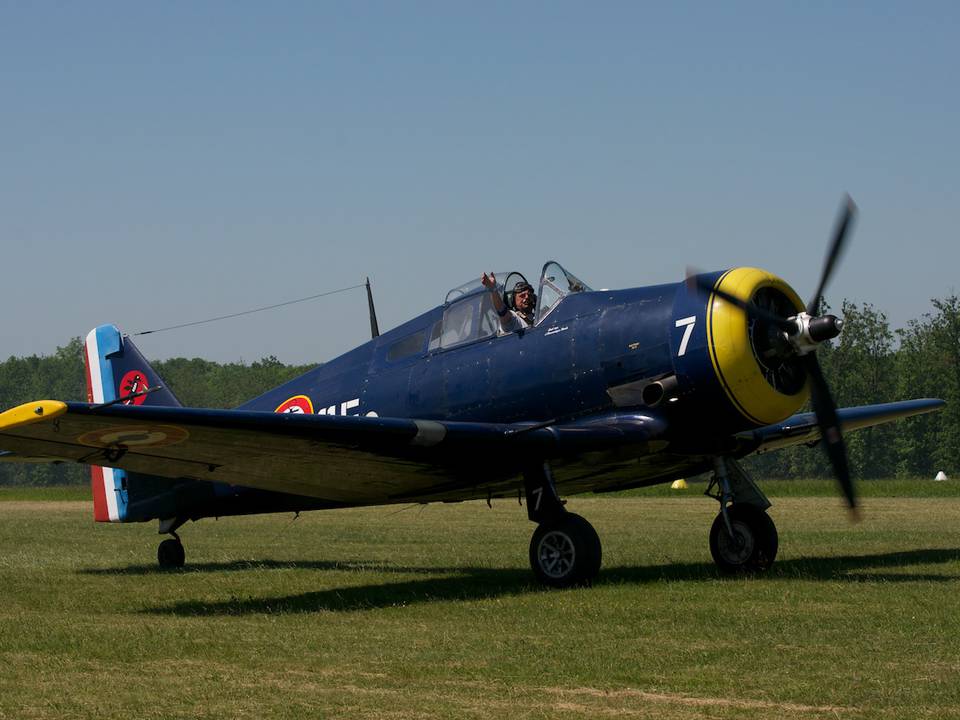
x=752 y=548
x=170 y=554
x=565 y=552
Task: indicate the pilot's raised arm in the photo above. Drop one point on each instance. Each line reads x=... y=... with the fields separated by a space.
x=525 y=301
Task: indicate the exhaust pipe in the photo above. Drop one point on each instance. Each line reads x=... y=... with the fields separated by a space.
x=654 y=393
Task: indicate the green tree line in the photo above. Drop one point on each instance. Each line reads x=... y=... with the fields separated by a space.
x=868 y=363
x=61 y=376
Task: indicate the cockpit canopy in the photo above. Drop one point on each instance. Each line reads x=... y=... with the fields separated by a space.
x=469 y=314
x=555 y=284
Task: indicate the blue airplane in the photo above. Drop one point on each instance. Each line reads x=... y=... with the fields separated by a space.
x=604 y=390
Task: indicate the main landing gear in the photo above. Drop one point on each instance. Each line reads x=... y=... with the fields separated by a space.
x=565 y=549
x=743 y=538
x=170 y=553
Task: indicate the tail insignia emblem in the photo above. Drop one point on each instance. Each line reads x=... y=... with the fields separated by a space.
x=133 y=382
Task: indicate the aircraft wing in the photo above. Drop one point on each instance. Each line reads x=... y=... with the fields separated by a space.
x=371 y=460
x=802 y=428
x=348 y=460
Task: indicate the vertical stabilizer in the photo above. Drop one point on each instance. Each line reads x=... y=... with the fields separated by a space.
x=116 y=369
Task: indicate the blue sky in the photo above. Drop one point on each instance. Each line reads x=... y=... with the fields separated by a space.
x=167 y=162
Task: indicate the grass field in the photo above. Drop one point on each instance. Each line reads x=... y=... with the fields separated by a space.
x=431 y=613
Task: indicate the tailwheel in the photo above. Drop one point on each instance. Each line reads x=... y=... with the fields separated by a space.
x=170 y=554
x=565 y=551
x=749 y=546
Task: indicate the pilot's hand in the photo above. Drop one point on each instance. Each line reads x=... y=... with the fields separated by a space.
x=489 y=281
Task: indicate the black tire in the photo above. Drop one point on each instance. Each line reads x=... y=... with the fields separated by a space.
x=170 y=554
x=754 y=545
x=565 y=552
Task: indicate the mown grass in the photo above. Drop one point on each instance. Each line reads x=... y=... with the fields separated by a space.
x=431 y=613
x=49 y=494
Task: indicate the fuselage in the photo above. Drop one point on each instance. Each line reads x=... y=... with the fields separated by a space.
x=570 y=365
x=559 y=368
x=672 y=371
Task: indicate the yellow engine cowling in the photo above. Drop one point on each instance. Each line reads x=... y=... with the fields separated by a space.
x=764 y=385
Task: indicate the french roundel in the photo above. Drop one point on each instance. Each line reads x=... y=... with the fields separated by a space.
x=299 y=404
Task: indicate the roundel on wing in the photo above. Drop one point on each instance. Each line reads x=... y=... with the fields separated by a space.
x=299 y=404
x=134 y=436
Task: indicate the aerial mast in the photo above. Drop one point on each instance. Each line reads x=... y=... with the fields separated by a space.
x=374 y=329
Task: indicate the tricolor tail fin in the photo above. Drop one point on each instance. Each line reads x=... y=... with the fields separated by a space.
x=115 y=370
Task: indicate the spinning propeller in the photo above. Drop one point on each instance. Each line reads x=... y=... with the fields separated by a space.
x=800 y=335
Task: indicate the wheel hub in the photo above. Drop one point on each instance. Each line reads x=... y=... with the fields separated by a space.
x=738 y=548
x=556 y=554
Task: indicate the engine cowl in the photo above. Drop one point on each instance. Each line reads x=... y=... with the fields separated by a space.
x=748 y=361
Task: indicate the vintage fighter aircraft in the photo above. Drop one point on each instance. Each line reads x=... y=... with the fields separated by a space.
x=609 y=389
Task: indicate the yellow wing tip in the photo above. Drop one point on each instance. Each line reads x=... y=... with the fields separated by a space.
x=31 y=412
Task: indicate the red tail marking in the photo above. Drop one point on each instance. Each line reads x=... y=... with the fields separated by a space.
x=100 y=511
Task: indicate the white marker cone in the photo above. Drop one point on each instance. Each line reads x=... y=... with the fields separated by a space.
x=941 y=476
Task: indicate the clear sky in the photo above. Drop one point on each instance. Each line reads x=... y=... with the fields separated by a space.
x=167 y=162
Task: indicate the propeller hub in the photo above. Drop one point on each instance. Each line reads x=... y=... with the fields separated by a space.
x=810 y=331
x=824 y=328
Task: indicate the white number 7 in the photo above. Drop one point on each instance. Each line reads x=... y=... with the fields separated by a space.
x=687 y=323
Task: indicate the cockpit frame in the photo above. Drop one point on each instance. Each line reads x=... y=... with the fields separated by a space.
x=469 y=315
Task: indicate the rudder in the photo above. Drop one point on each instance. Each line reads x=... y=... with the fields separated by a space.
x=115 y=369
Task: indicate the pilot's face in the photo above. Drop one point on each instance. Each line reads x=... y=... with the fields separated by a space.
x=524 y=299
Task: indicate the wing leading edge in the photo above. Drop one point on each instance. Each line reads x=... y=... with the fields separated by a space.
x=802 y=428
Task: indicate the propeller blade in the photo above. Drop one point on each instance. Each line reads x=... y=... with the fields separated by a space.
x=752 y=309
x=829 y=422
x=840 y=232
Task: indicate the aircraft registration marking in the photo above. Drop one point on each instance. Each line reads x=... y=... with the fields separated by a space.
x=344 y=408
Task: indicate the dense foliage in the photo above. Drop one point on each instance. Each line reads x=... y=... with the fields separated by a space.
x=869 y=363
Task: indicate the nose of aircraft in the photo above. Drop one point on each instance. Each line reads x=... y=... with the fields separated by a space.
x=805 y=331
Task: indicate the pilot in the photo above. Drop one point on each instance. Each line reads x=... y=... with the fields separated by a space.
x=518 y=317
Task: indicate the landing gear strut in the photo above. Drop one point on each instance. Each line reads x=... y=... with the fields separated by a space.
x=743 y=538
x=565 y=549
